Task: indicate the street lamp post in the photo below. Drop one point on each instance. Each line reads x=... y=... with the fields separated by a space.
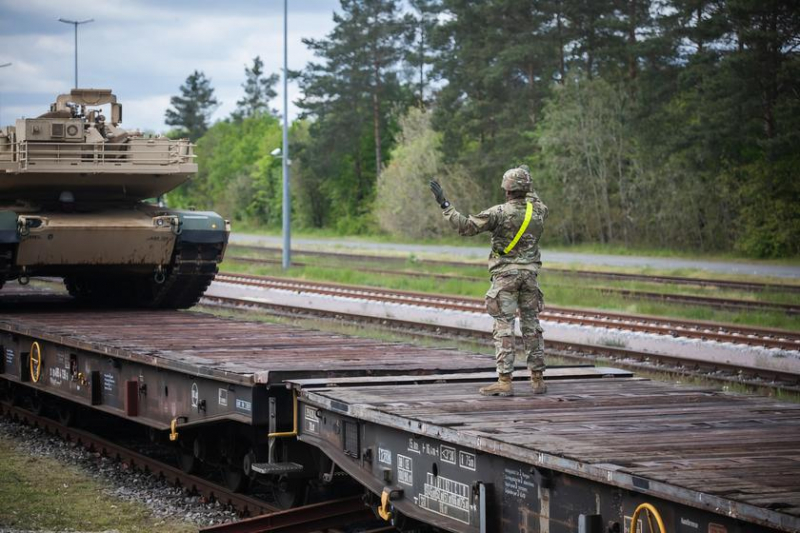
x=3 y=66
x=287 y=252
x=76 y=23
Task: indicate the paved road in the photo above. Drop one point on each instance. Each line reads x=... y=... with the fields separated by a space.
x=664 y=263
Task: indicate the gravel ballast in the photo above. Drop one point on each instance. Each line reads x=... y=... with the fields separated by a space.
x=163 y=501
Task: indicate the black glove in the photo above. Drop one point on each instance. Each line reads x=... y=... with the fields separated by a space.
x=437 y=191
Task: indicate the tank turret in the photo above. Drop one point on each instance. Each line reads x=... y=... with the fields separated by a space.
x=74 y=147
x=74 y=191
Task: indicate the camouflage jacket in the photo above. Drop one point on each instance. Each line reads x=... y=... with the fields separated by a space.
x=504 y=221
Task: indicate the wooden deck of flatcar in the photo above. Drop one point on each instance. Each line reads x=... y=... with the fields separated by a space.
x=736 y=456
x=233 y=350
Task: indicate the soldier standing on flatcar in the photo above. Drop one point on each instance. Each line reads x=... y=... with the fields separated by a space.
x=514 y=263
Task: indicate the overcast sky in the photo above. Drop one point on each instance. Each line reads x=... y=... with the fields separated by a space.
x=145 y=49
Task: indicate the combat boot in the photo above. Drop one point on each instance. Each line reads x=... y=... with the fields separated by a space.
x=503 y=387
x=537 y=383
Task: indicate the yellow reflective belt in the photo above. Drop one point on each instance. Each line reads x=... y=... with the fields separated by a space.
x=528 y=215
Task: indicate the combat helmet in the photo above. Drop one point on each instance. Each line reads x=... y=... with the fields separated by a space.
x=516 y=179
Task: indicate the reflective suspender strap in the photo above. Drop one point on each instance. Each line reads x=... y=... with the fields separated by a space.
x=528 y=215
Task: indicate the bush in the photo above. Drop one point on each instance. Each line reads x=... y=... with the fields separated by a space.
x=404 y=204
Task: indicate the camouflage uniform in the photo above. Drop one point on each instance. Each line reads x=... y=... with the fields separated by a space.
x=514 y=283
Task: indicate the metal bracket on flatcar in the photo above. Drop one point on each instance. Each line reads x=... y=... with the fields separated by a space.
x=387 y=496
x=173 y=427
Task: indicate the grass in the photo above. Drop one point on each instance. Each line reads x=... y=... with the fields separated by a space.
x=42 y=493
x=478 y=266
x=693 y=273
x=479 y=240
x=609 y=249
x=559 y=290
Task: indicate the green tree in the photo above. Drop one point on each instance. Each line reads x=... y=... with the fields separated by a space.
x=258 y=91
x=498 y=68
x=403 y=205
x=237 y=175
x=192 y=110
x=419 y=54
x=588 y=157
x=350 y=95
x=648 y=122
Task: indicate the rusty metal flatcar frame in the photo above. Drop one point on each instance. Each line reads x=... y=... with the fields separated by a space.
x=159 y=366
x=151 y=394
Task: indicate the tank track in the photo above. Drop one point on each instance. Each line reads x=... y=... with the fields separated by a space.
x=192 y=270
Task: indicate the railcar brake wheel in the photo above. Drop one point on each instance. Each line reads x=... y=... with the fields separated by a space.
x=35 y=362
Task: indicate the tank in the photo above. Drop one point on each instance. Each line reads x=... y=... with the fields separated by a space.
x=80 y=200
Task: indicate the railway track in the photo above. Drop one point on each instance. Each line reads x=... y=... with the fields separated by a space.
x=306 y=519
x=770 y=338
x=244 y=504
x=260 y=516
x=756 y=377
x=616 y=276
x=730 y=304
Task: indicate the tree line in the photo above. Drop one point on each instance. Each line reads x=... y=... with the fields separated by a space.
x=667 y=123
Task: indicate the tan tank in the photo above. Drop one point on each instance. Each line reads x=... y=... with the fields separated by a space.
x=78 y=200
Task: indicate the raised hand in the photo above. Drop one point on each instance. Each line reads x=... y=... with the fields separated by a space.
x=438 y=193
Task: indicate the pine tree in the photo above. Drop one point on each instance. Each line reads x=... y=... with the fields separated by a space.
x=350 y=93
x=258 y=91
x=360 y=57
x=419 y=50
x=499 y=63
x=193 y=109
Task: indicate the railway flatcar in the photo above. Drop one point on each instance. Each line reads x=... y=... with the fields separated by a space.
x=301 y=411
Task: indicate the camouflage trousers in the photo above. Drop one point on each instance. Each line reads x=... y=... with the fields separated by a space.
x=512 y=290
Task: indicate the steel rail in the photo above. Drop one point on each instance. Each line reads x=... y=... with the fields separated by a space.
x=622 y=276
x=771 y=338
x=306 y=519
x=245 y=505
x=672 y=298
x=622 y=357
